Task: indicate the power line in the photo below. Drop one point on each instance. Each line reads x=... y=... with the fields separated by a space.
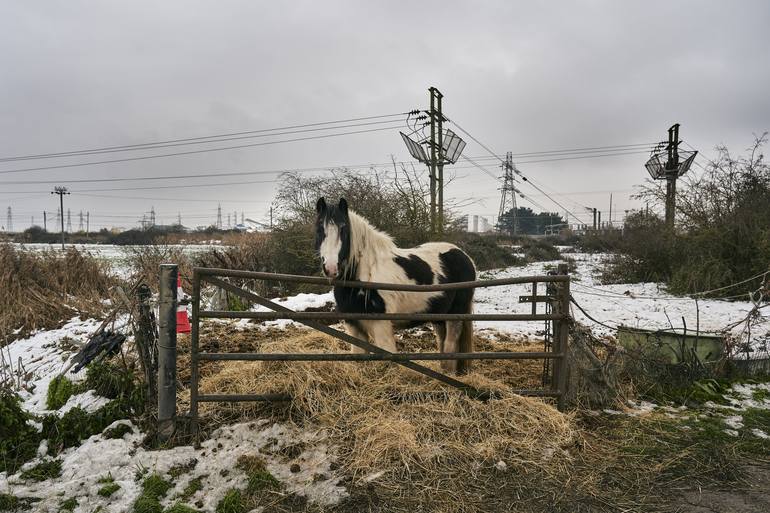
x=151 y=145
x=521 y=174
x=208 y=150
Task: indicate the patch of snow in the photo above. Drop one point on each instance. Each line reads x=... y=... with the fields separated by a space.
x=501 y=466
x=88 y=401
x=731 y=432
x=630 y=304
x=641 y=407
x=42 y=449
x=216 y=459
x=374 y=476
x=43 y=358
x=759 y=433
x=734 y=421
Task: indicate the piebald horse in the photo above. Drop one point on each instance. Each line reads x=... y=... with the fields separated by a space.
x=352 y=249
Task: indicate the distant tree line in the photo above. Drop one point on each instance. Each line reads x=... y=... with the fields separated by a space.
x=527 y=221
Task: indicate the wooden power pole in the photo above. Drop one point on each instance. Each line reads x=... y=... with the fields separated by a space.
x=61 y=191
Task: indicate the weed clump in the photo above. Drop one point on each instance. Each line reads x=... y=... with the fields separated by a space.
x=232 y=502
x=108 y=489
x=18 y=440
x=68 y=504
x=195 y=485
x=154 y=487
x=10 y=502
x=60 y=389
x=42 y=471
x=259 y=477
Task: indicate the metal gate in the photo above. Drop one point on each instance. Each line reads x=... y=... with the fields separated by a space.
x=557 y=298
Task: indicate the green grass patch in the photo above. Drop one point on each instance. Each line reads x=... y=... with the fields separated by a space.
x=60 y=389
x=760 y=395
x=68 y=504
x=108 y=489
x=109 y=380
x=259 y=477
x=18 y=440
x=42 y=471
x=195 y=485
x=10 y=502
x=232 y=502
x=154 y=487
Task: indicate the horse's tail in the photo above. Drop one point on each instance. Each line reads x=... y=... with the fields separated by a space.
x=465 y=345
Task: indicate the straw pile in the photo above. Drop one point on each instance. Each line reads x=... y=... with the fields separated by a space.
x=382 y=419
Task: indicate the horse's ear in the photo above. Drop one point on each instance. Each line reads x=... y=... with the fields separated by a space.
x=343 y=206
x=320 y=205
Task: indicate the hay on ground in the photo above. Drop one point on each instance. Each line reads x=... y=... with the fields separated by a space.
x=354 y=403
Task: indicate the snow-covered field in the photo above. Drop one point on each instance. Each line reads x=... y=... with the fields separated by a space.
x=641 y=305
x=311 y=473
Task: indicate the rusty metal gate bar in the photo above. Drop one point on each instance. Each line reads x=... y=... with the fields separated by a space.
x=560 y=316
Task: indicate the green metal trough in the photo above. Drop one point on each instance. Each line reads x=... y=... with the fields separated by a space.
x=672 y=346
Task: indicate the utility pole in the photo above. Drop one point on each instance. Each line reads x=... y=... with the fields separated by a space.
x=45 y=222
x=672 y=173
x=219 y=216
x=61 y=191
x=179 y=218
x=88 y=219
x=80 y=222
x=600 y=219
x=69 y=221
x=610 y=210
x=9 y=221
x=594 y=219
x=271 y=218
x=508 y=198
x=432 y=159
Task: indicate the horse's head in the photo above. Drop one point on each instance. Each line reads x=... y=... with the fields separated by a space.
x=332 y=239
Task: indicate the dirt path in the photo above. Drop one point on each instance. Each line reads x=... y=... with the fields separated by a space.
x=753 y=497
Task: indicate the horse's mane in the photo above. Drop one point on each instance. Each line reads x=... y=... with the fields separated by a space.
x=367 y=242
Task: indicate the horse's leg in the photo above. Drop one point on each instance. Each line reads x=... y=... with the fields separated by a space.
x=381 y=334
x=452 y=344
x=439 y=329
x=354 y=329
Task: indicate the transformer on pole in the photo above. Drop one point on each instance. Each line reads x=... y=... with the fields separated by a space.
x=668 y=162
x=443 y=147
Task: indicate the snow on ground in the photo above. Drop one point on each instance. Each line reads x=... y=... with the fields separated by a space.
x=43 y=356
x=214 y=462
x=115 y=255
x=642 y=305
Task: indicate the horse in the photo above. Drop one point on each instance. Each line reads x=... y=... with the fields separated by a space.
x=352 y=249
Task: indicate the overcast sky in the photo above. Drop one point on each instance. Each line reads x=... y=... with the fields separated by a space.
x=519 y=76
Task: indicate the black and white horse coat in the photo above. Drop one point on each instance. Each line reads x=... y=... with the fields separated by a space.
x=352 y=249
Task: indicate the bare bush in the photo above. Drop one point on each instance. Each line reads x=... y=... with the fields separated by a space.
x=723 y=228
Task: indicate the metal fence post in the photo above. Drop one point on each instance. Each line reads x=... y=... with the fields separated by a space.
x=167 y=351
x=561 y=339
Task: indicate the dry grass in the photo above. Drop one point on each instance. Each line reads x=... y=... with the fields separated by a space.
x=40 y=290
x=358 y=405
x=438 y=450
